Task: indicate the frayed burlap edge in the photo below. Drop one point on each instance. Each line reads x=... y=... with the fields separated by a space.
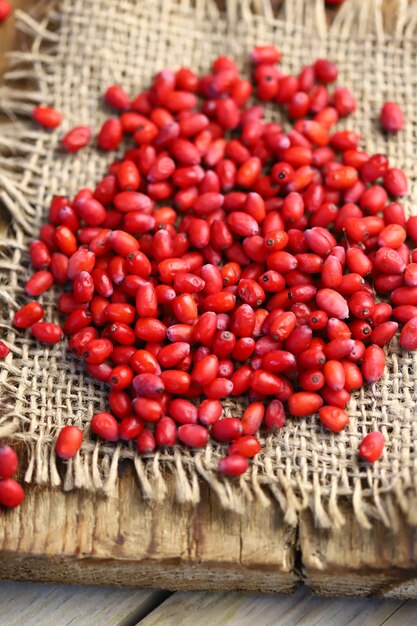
x=97 y=467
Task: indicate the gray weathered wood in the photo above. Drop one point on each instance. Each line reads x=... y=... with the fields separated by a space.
x=406 y=615
x=302 y=609
x=62 y=605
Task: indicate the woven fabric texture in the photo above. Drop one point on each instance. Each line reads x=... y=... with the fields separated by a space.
x=75 y=50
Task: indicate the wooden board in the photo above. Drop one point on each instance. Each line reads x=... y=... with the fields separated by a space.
x=37 y=604
x=302 y=608
x=123 y=540
x=46 y=605
x=358 y=562
x=80 y=538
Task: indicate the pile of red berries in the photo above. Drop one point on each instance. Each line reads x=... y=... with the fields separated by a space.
x=222 y=256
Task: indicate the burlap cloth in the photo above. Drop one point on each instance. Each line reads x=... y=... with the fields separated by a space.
x=73 y=52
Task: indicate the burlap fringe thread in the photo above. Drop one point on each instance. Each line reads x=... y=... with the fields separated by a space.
x=97 y=467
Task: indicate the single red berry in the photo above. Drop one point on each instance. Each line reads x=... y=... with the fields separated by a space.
x=11 y=493
x=131 y=427
x=252 y=418
x=8 y=462
x=373 y=364
x=4 y=350
x=408 y=336
x=372 y=446
x=5 y=9
x=110 y=134
x=265 y=55
x=165 y=432
x=325 y=71
x=117 y=98
x=334 y=418
x=39 y=282
x=247 y=446
x=68 y=442
x=233 y=465
x=47 y=116
x=392 y=117
x=395 y=182
x=193 y=435
x=76 y=138
x=304 y=403
x=275 y=416
x=105 y=426
x=47 y=332
x=146 y=442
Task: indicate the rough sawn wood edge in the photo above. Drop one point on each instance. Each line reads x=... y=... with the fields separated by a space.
x=82 y=538
x=85 y=538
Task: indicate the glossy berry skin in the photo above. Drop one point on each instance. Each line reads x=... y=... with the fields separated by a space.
x=146 y=442
x=47 y=332
x=98 y=350
x=117 y=98
x=333 y=418
x=392 y=117
x=166 y=432
x=233 y=465
x=39 y=282
x=209 y=411
x=247 y=446
x=110 y=134
x=5 y=9
x=183 y=411
x=105 y=426
x=252 y=418
x=227 y=429
x=8 y=462
x=76 y=138
x=372 y=447
x=47 y=117
x=39 y=254
x=193 y=435
x=130 y=427
x=373 y=364
x=4 y=350
x=68 y=442
x=11 y=493
x=28 y=314
x=408 y=335
x=304 y=403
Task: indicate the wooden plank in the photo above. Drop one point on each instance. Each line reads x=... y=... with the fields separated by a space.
x=302 y=608
x=80 y=538
x=404 y=615
x=53 y=605
x=353 y=561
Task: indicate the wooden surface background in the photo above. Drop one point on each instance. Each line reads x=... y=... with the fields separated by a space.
x=124 y=541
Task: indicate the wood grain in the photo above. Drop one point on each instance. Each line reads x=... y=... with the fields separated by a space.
x=302 y=608
x=80 y=538
x=88 y=539
x=358 y=562
x=47 y=605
